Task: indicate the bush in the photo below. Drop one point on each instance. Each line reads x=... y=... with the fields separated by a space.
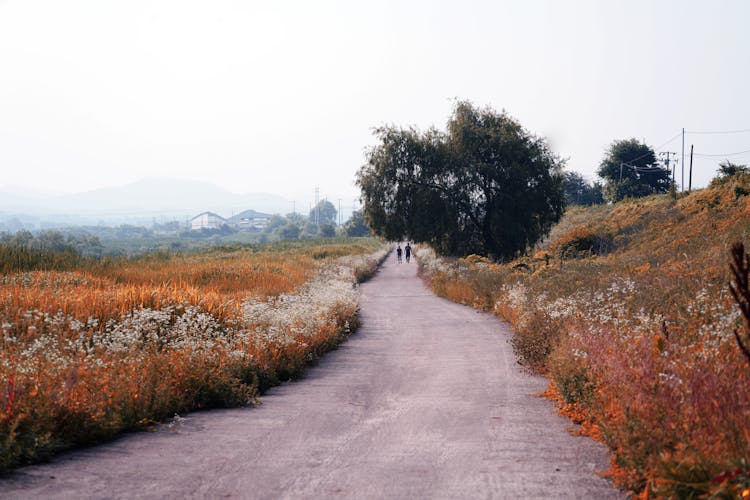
x=535 y=337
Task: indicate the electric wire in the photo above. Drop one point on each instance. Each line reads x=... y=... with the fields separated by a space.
x=718 y=132
x=628 y=163
x=719 y=155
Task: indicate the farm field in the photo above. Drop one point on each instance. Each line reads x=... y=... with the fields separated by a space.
x=91 y=348
x=627 y=309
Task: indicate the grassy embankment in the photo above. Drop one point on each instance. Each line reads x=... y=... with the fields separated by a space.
x=627 y=309
x=91 y=348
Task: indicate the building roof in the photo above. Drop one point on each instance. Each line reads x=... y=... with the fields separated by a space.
x=247 y=214
x=210 y=214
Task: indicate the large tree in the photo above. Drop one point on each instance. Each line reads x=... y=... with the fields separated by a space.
x=630 y=170
x=323 y=213
x=485 y=186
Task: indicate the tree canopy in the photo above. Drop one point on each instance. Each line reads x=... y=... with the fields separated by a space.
x=630 y=170
x=580 y=192
x=728 y=169
x=485 y=186
x=323 y=213
x=356 y=225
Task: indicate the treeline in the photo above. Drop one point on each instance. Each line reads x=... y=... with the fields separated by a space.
x=630 y=170
x=317 y=225
x=487 y=186
x=24 y=251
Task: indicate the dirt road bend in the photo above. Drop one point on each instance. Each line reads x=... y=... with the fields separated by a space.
x=424 y=401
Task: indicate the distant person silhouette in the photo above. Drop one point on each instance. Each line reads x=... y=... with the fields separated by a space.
x=398 y=253
x=407 y=251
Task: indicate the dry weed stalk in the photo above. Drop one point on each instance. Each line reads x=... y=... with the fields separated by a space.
x=740 y=289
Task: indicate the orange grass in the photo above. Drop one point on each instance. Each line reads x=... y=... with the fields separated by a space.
x=66 y=379
x=631 y=317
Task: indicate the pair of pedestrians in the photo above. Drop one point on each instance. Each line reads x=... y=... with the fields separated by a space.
x=406 y=250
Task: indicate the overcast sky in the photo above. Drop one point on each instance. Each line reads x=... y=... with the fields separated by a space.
x=282 y=96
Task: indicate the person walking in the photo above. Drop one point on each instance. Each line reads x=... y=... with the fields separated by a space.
x=398 y=253
x=407 y=251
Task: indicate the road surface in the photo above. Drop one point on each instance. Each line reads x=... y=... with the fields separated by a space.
x=426 y=400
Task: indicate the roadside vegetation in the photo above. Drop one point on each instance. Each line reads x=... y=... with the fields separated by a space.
x=626 y=307
x=91 y=347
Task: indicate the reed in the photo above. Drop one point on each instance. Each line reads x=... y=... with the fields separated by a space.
x=103 y=346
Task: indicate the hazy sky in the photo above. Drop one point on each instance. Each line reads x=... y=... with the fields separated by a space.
x=281 y=96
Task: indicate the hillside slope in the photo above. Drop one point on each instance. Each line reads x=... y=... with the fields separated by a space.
x=626 y=307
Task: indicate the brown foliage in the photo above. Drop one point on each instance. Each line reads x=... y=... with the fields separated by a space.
x=641 y=340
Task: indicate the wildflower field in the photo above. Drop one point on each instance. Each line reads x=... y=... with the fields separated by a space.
x=627 y=309
x=91 y=348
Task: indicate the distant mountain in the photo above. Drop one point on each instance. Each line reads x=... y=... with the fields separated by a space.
x=20 y=196
x=142 y=200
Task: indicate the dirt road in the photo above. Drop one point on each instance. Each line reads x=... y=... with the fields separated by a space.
x=425 y=401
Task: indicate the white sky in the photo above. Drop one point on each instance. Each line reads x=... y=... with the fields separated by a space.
x=282 y=96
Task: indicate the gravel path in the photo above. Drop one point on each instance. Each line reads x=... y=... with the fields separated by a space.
x=424 y=401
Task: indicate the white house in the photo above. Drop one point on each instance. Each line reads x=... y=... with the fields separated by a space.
x=249 y=220
x=207 y=220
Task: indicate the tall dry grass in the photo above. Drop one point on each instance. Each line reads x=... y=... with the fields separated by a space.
x=627 y=309
x=107 y=346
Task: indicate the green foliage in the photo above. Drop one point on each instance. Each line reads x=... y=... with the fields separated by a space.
x=323 y=213
x=630 y=170
x=275 y=222
x=728 y=169
x=580 y=192
x=327 y=230
x=310 y=230
x=290 y=231
x=356 y=225
x=49 y=250
x=732 y=174
x=486 y=186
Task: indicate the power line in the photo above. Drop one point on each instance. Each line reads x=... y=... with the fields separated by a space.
x=678 y=134
x=740 y=131
x=722 y=154
x=628 y=163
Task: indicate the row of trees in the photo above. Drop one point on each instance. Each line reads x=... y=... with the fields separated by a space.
x=320 y=223
x=53 y=242
x=487 y=186
x=629 y=169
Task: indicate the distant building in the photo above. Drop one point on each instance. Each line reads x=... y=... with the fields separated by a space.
x=207 y=220
x=249 y=220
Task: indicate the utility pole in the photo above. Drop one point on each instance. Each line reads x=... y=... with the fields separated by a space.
x=620 y=170
x=682 y=180
x=690 y=178
x=317 y=205
x=666 y=158
x=339 y=211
